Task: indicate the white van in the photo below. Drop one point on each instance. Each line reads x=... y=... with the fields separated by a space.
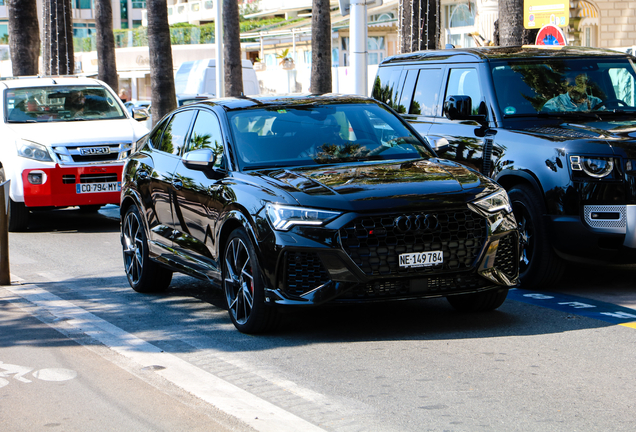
x=199 y=77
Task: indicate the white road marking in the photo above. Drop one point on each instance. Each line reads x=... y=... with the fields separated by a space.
x=55 y=374
x=252 y=410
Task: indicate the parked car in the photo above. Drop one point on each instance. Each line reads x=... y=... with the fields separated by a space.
x=199 y=77
x=182 y=99
x=569 y=167
x=65 y=140
x=130 y=105
x=305 y=200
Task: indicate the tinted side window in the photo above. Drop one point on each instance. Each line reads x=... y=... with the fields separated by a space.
x=174 y=135
x=155 y=138
x=426 y=96
x=385 y=87
x=206 y=134
x=465 y=82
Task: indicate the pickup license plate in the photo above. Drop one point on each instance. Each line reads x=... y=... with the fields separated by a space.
x=98 y=187
x=421 y=259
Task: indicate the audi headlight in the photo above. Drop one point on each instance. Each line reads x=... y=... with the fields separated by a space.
x=283 y=218
x=594 y=167
x=31 y=150
x=495 y=202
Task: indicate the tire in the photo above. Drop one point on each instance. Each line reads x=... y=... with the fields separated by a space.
x=144 y=275
x=243 y=287
x=90 y=208
x=18 y=212
x=539 y=265
x=478 y=302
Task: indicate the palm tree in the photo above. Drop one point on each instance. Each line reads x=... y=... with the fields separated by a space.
x=57 y=47
x=162 y=95
x=320 y=47
x=24 y=36
x=419 y=24
x=511 y=23
x=233 y=70
x=106 y=64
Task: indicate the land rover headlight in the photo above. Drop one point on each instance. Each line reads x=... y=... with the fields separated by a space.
x=495 y=202
x=283 y=218
x=593 y=166
x=31 y=150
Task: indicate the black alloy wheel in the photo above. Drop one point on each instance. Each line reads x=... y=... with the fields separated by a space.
x=243 y=286
x=539 y=266
x=144 y=275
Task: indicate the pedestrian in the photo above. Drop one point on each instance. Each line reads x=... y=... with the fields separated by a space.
x=123 y=95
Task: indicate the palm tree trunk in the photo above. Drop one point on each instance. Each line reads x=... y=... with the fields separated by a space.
x=233 y=70
x=320 y=47
x=57 y=47
x=419 y=24
x=163 y=96
x=510 y=22
x=24 y=36
x=106 y=63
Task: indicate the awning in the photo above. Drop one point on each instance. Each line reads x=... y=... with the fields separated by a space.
x=586 y=10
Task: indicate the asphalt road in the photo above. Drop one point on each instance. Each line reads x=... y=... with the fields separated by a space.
x=118 y=360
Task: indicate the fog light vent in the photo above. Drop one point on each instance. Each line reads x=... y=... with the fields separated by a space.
x=68 y=179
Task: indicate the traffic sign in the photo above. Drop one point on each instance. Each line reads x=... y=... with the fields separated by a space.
x=550 y=35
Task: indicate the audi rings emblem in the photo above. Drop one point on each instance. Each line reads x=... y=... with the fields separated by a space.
x=416 y=222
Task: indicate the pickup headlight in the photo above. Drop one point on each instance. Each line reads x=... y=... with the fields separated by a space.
x=31 y=150
x=283 y=218
x=495 y=202
x=593 y=166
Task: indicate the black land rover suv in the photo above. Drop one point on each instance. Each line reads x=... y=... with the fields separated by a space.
x=555 y=127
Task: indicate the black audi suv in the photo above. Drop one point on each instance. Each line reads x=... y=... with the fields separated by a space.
x=299 y=201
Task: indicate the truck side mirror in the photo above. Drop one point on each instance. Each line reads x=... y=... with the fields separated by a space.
x=458 y=107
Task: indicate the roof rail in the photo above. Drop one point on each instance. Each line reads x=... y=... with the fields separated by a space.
x=38 y=76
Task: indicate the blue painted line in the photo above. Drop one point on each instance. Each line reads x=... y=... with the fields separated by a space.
x=585 y=307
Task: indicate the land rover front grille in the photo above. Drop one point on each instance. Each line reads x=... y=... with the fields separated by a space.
x=507 y=258
x=374 y=243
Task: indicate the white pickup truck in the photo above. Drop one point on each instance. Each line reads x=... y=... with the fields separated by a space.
x=64 y=143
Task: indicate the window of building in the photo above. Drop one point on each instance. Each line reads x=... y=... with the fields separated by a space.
x=376 y=50
x=208 y=4
x=83 y=4
x=136 y=23
x=81 y=30
x=4 y=32
x=460 y=22
x=123 y=13
x=139 y=4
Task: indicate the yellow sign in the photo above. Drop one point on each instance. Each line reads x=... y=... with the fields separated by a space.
x=537 y=13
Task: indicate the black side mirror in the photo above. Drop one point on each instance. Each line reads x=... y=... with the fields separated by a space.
x=458 y=107
x=200 y=160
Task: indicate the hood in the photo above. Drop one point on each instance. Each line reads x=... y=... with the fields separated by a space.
x=375 y=186
x=619 y=134
x=80 y=132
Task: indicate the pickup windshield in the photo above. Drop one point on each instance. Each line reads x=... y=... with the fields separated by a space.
x=564 y=85
x=60 y=103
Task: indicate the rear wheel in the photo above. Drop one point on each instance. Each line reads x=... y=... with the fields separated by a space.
x=478 y=302
x=18 y=212
x=539 y=265
x=243 y=286
x=144 y=275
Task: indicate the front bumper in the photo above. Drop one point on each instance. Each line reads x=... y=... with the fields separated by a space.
x=347 y=264
x=59 y=187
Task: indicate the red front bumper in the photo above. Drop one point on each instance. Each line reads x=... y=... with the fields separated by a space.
x=60 y=187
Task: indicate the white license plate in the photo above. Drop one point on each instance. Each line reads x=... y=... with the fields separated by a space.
x=421 y=259
x=98 y=187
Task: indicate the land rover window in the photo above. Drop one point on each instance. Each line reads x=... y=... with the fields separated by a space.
x=426 y=96
x=465 y=82
x=407 y=90
x=386 y=87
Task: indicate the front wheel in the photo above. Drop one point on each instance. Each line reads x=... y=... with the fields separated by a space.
x=144 y=275
x=539 y=265
x=478 y=302
x=243 y=286
x=18 y=212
